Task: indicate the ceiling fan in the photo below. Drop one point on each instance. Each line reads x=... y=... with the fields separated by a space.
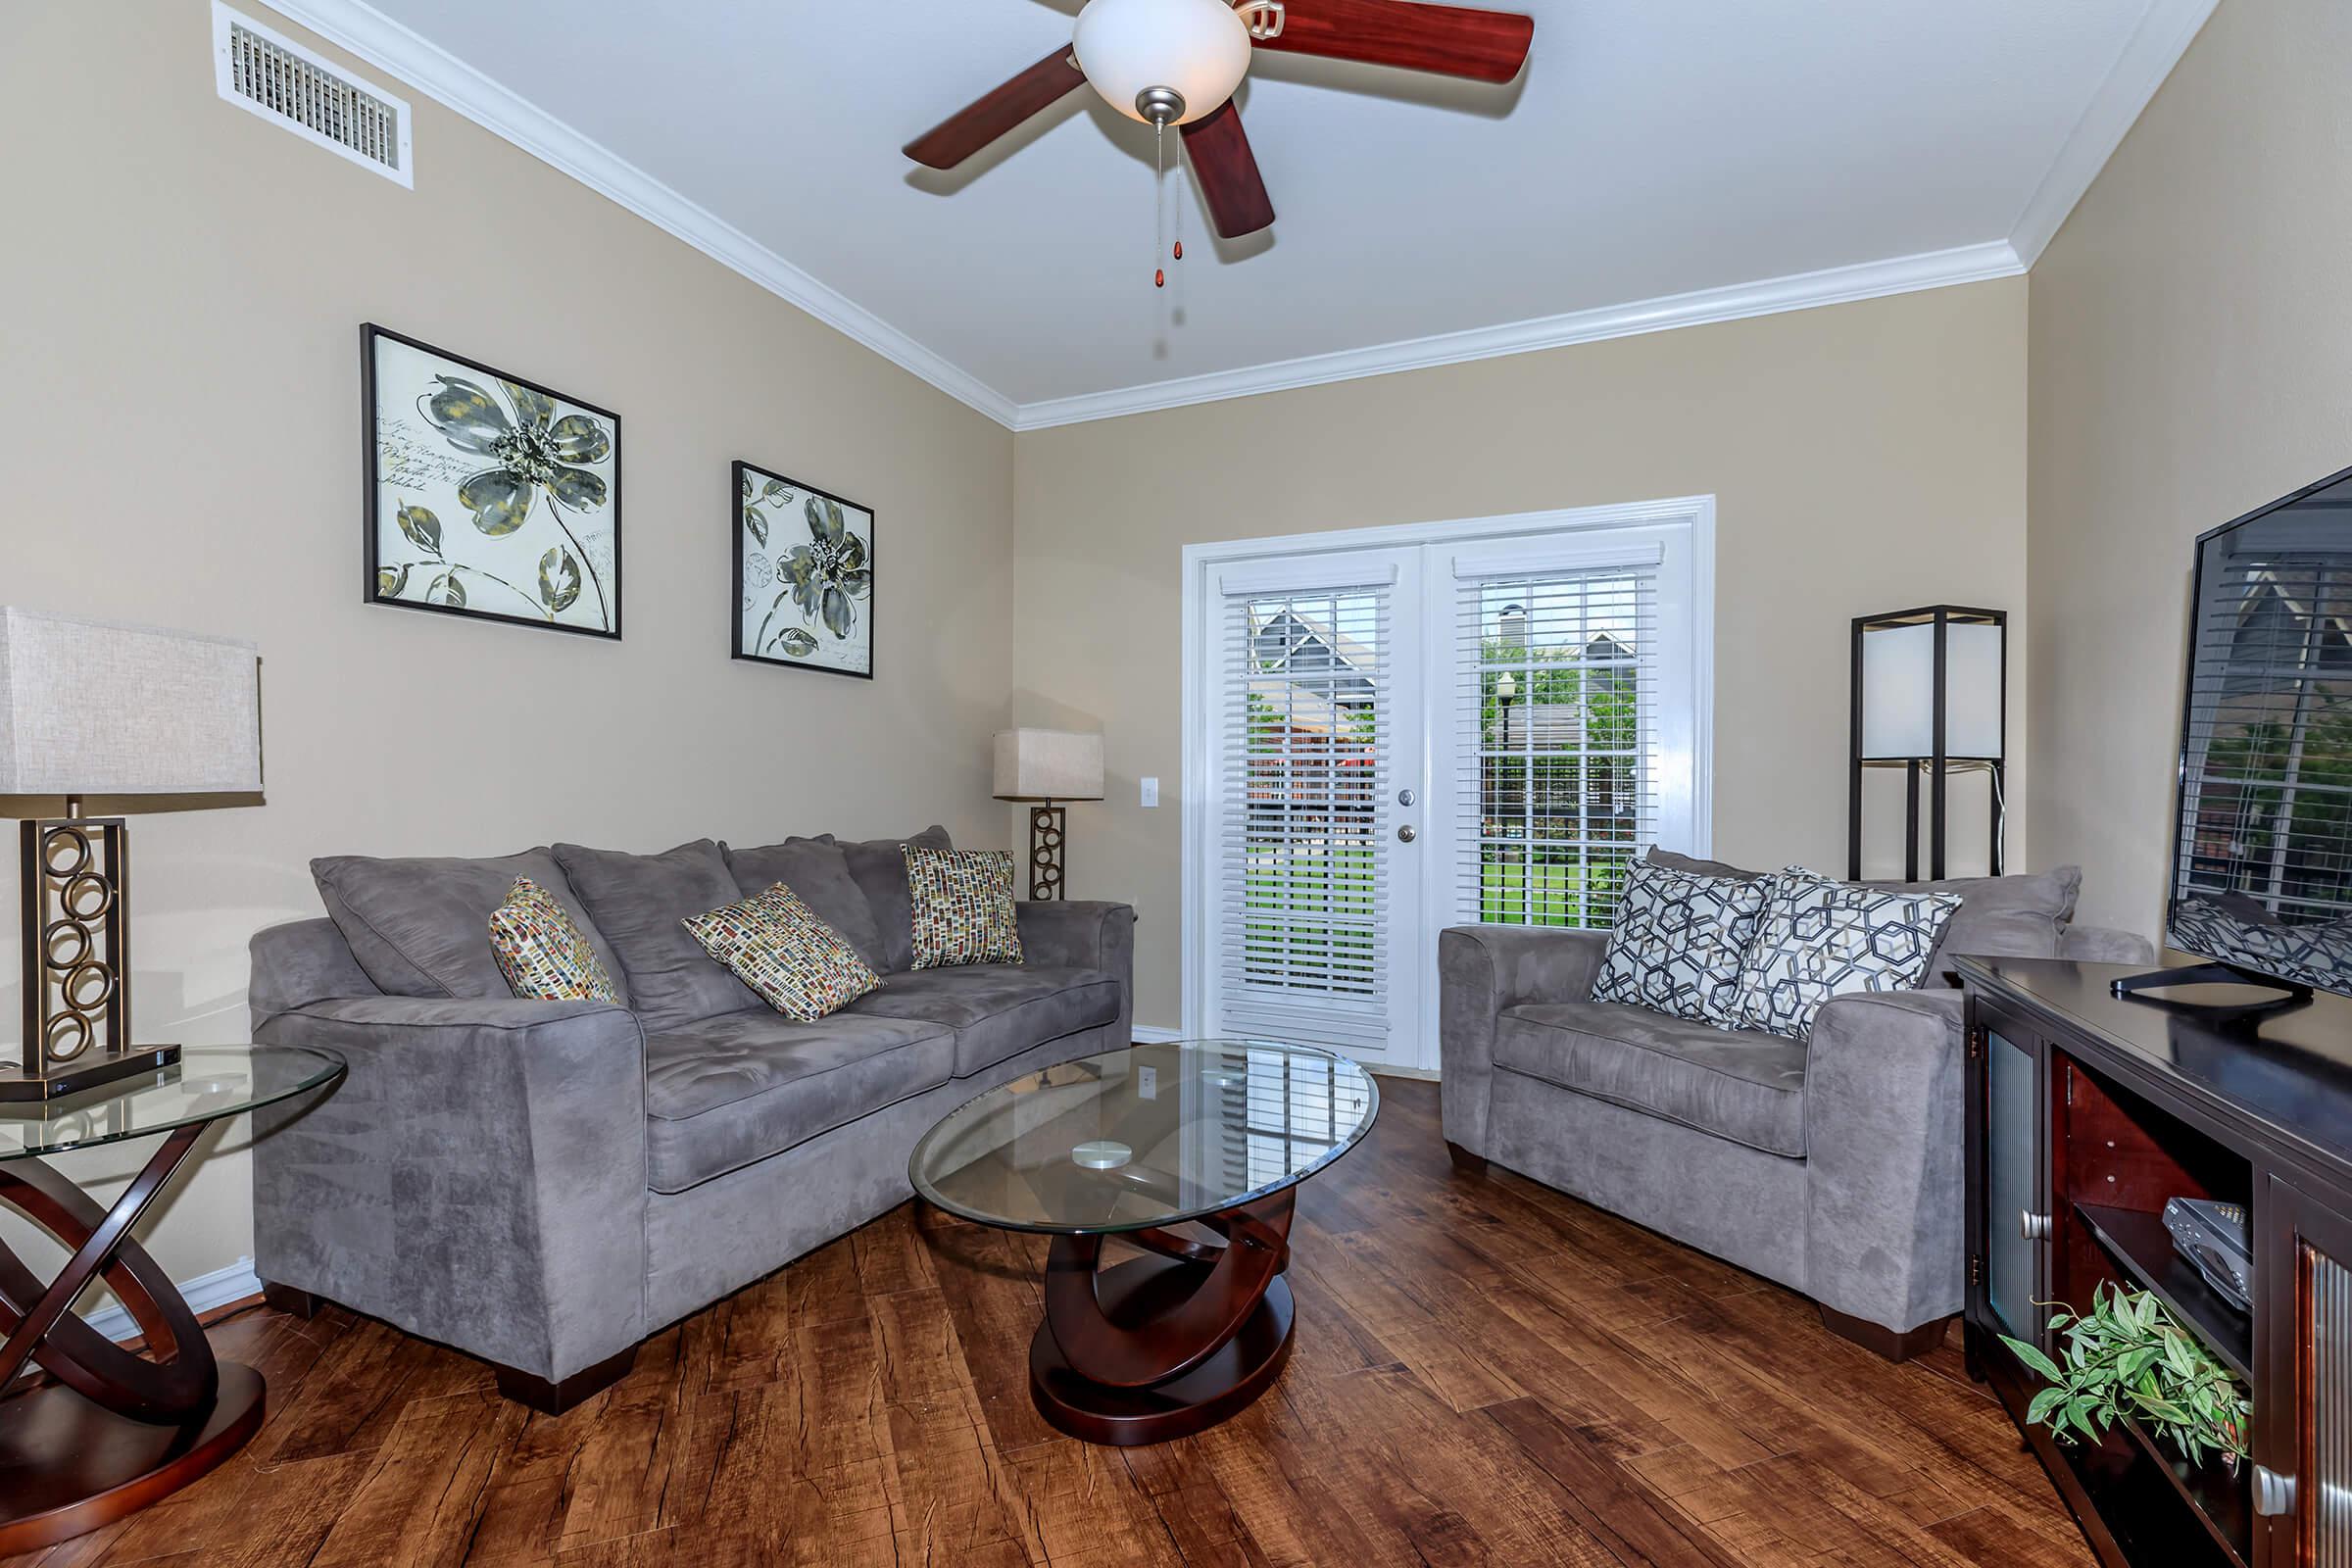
x=1177 y=63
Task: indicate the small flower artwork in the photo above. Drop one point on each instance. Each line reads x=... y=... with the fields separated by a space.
x=804 y=575
x=488 y=496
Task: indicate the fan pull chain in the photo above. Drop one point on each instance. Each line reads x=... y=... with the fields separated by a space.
x=1159 y=199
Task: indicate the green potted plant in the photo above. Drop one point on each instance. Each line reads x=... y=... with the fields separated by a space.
x=2128 y=1359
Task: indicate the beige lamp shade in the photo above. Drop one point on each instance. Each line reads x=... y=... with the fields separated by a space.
x=98 y=708
x=1048 y=764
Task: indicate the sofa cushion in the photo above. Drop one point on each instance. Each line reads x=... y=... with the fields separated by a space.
x=818 y=871
x=1746 y=1087
x=2000 y=916
x=721 y=1093
x=420 y=926
x=2019 y=916
x=543 y=952
x=963 y=906
x=1678 y=943
x=1820 y=938
x=879 y=868
x=995 y=1010
x=800 y=965
x=639 y=902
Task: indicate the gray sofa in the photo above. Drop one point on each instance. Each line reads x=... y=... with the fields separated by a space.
x=544 y=1183
x=1832 y=1166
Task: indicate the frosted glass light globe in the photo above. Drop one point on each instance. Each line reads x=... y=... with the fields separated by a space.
x=1198 y=48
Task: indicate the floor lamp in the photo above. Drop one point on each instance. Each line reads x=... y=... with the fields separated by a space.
x=1931 y=697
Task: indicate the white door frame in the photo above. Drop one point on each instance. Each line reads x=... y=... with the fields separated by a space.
x=1695 y=513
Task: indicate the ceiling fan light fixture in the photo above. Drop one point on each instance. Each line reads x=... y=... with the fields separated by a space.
x=1136 y=53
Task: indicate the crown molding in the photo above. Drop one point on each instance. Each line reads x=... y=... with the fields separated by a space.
x=2155 y=47
x=1836 y=285
x=385 y=44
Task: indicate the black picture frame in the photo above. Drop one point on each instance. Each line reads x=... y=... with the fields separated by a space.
x=739 y=476
x=371 y=486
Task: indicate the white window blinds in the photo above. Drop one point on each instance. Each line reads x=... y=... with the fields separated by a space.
x=1554 y=705
x=1306 y=727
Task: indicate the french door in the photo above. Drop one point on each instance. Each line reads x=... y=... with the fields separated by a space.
x=1315 y=800
x=1486 y=725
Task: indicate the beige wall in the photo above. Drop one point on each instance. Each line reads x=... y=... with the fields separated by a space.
x=183 y=288
x=2191 y=359
x=1864 y=458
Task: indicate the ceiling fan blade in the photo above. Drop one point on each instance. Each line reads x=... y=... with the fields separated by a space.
x=1451 y=40
x=1238 y=203
x=990 y=115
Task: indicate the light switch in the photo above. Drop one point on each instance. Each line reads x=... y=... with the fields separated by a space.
x=1147 y=1082
x=1150 y=792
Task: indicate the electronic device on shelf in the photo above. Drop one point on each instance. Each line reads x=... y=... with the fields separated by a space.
x=2262 y=850
x=2215 y=1237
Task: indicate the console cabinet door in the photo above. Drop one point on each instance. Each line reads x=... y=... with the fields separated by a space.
x=2016 y=1177
x=2303 y=1413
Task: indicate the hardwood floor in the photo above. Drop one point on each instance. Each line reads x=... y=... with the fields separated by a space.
x=1486 y=1372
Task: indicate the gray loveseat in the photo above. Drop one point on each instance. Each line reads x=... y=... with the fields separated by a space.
x=544 y=1183
x=1832 y=1166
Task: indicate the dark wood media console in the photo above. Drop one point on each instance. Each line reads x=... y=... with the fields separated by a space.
x=2085 y=1113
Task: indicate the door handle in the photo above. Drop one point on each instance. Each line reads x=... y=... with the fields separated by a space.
x=2031 y=1226
x=1405 y=834
x=2274 y=1493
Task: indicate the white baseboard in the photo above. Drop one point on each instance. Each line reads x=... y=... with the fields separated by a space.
x=204 y=1293
x=1144 y=1034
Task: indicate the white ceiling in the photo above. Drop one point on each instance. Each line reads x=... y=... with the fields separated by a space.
x=1653 y=148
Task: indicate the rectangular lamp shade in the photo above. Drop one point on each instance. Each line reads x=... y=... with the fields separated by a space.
x=97 y=707
x=1048 y=764
x=1898 y=691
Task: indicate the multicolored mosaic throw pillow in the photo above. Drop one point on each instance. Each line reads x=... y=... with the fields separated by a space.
x=963 y=909
x=541 y=951
x=776 y=945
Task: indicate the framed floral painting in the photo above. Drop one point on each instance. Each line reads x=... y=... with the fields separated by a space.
x=804 y=575
x=487 y=495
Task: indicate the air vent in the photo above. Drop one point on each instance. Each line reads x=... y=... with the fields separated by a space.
x=289 y=85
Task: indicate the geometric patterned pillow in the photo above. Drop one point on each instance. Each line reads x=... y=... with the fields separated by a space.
x=963 y=909
x=1678 y=943
x=774 y=943
x=1818 y=939
x=542 y=952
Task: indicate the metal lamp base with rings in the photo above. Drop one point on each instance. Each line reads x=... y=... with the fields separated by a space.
x=75 y=880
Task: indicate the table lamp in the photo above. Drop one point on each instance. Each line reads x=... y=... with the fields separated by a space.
x=96 y=707
x=1043 y=767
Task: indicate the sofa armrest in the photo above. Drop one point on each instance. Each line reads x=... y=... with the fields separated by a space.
x=1883 y=1228
x=2096 y=944
x=1084 y=936
x=477 y=1178
x=1482 y=969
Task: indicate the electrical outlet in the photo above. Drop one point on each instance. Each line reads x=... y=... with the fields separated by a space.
x=1150 y=792
x=1147 y=1082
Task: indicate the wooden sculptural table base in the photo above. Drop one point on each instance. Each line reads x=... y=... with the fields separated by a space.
x=1160 y=1346
x=112 y=1431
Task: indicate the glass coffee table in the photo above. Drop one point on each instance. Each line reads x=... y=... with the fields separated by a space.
x=1131 y=1144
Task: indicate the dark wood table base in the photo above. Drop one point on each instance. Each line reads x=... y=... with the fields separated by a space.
x=1158 y=1348
x=114 y=1432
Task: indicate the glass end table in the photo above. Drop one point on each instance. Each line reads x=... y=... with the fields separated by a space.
x=113 y=1431
x=1217 y=1133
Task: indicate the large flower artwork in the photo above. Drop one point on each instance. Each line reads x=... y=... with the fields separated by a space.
x=804 y=575
x=488 y=496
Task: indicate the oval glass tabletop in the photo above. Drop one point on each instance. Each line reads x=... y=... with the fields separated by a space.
x=206 y=1084
x=1145 y=1137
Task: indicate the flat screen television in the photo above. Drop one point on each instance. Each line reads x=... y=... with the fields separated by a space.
x=2262 y=843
